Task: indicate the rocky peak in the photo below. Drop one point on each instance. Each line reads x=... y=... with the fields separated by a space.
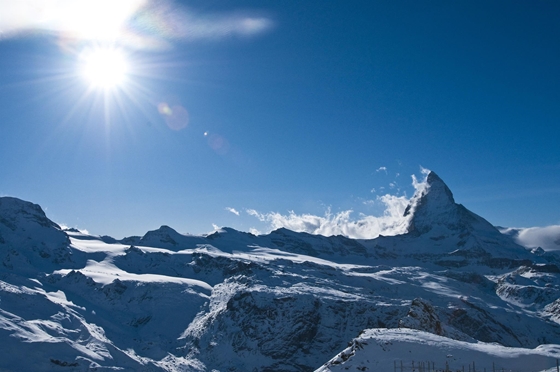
x=164 y=235
x=29 y=241
x=433 y=206
x=15 y=212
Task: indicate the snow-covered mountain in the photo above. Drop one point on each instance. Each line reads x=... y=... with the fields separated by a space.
x=452 y=289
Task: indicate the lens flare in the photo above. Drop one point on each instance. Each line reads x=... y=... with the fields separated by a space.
x=176 y=116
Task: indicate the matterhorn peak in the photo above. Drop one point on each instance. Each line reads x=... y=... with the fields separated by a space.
x=433 y=205
x=433 y=193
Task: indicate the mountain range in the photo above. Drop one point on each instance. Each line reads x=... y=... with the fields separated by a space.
x=453 y=292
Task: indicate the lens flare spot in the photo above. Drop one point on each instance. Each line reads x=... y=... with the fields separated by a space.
x=218 y=143
x=176 y=116
x=164 y=109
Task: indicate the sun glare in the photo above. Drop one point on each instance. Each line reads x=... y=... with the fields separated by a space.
x=105 y=67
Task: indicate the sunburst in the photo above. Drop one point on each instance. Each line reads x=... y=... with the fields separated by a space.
x=104 y=67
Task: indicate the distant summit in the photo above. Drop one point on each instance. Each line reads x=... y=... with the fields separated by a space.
x=433 y=205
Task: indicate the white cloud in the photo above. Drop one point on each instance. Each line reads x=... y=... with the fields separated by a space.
x=548 y=237
x=420 y=185
x=254 y=231
x=382 y=169
x=391 y=222
x=143 y=24
x=89 y=19
x=232 y=210
x=63 y=226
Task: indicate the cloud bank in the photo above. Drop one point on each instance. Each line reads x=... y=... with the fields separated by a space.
x=548 y=237
x=391 y=222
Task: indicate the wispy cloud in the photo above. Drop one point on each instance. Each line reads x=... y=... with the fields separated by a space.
x=381 y=169
x=420 y=185
x=232 y=210
x=186 y=24
x=143 y=24
x=66 y=227
x=548 y=237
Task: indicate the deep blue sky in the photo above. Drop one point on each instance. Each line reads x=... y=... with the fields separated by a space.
x=298 y=117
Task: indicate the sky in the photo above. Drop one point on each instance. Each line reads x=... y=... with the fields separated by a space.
x=255 y=115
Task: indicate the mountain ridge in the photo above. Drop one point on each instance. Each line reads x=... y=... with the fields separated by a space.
x=284 y=301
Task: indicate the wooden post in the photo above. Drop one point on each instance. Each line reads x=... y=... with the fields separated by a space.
x=557 y=366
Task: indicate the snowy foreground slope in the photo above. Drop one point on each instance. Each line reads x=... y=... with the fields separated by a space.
x=383 y=350
x=453 y=289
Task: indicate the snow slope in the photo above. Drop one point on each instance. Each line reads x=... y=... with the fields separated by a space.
x=389 y=349
x=286 y=301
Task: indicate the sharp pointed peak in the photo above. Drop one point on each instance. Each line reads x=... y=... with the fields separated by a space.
x=435 y=185
x=431 y=192
x=432 y=204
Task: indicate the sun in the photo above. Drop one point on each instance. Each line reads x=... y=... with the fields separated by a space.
x=104 y=67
